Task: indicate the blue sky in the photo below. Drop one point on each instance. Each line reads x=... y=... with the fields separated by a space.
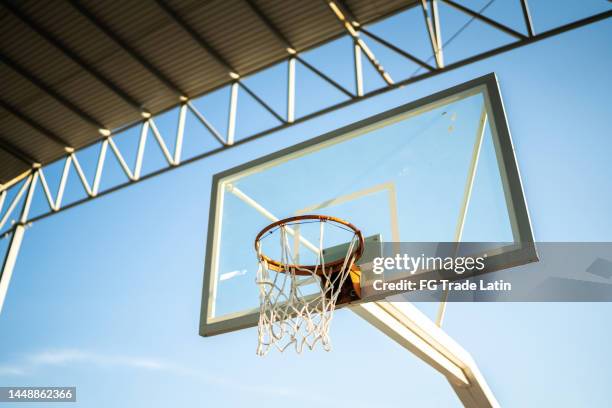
x=106 y=296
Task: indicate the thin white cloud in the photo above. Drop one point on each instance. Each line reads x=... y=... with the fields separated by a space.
x=34 y=361
x=69 y=356
x=7 y=370
x=232 y=274
x=30 y=363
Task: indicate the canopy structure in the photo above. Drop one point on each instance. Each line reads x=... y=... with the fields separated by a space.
x=71 y=71
x=74 y=72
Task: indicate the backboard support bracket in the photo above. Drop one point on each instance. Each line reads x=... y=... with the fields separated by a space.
x=410 y=328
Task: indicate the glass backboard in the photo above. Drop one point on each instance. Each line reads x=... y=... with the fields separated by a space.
x=440 y=169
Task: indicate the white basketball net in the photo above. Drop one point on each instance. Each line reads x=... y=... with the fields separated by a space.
x=288 y=317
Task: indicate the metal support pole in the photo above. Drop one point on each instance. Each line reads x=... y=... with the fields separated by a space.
x=10 y=258
x=433 y=29
x=527 y=18
x=2 y=198
x=180 y=132
x=144 y=131
x=100 y=167
x=411 y=329
x=358 y=69
x=233 y=106
x=291 y=90
x=350 y=24
x=437 y=31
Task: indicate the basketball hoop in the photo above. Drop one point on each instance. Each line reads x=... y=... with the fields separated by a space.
x=287 y=315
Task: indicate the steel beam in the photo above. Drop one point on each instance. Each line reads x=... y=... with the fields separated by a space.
x=397 y=49
x=291 y=90
x=206 y=123
x=161 y=142
x=485 y=19
x=54 y=40
x=215 y=54
x=17 y=152
x=10 y=258
x=527 y=18
x=261 y=102
x=358 y=67
x=51 y=92
x=325 y=77
x=282 y=38
x=197 y=37
x=433 y=29
x=34 y=124
x=285 y=42
x=233 y=111
x=435 y=18
x=180 y=132
x=13 y=182
x=135 y=55
x=347 y=19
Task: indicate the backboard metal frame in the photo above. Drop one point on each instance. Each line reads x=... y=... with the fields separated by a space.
x=509 y=172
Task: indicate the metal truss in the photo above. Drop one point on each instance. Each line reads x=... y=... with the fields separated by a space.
x=23 y=188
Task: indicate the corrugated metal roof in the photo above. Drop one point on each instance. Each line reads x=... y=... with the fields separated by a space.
x=137 y=56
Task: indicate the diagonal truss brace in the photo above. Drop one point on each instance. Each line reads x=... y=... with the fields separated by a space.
x=351 y=25
x=10 y=258
x=485 y=19
x=148 y=126
x=432 y=22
